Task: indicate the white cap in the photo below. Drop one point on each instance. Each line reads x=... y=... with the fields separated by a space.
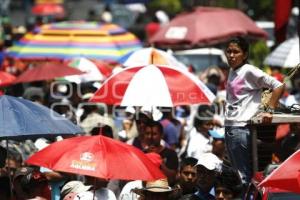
x=41 y=143
x=210 y=161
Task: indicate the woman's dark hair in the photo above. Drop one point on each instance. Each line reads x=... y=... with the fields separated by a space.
x=241 y=42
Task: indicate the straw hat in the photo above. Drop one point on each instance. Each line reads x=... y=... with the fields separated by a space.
x=157 y=186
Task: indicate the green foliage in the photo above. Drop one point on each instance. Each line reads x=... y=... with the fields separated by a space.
x=258 y=53
x=170 y=6
x=226 y=3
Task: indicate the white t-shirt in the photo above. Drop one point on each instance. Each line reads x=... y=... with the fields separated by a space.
x=244 y=88
x=198 y=144
x=100 y=194
x=127 y=194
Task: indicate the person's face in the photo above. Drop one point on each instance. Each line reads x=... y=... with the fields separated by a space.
x=141 y=125
x=235 y=55
x=206 y=178
x=152 y=136
x=206 y=126
x=223 y=194
x=188 y=176
x=11 y=166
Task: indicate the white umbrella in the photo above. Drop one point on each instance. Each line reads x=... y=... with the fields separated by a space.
x=285 y=55
x=85 y=65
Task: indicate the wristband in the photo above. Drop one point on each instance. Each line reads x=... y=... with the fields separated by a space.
x=269 y=110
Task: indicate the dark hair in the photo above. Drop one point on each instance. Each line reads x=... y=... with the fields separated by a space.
x=5 y=186
x=241 y=42
x=230 y=180
x=188 y=161
x=31 y=180
x=204 y=114
x=104 y=130
x=3 y=156
x=158 y=125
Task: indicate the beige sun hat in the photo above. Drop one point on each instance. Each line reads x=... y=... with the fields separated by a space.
x=157 y=186
x=160 y=185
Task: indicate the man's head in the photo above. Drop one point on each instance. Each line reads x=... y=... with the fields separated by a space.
x=73 y=187
x=153 y=133
x=228 y=185
x=34 y=184
x=207 y=168
x=141 y=121
x=188 y=174
x=155 y=190
x=203 y=120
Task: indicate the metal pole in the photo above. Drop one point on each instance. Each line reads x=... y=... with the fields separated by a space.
x=254 y=148
x=298 y=25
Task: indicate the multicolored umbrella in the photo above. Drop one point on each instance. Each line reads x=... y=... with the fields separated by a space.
x=206 y=26
x=66 y=40
x=147 y=56
x=47 y=71
x=97 y=156
x=153 y=85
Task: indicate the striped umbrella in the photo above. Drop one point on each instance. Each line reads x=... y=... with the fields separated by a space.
x=153 y=85
x=93 y=71
x=285 y=55
x=65 y=40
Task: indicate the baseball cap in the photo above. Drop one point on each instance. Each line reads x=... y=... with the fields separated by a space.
x=210 y=161
x=75 y=187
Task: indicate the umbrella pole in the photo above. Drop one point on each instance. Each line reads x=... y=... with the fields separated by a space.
x=9 y=174
x=94 y=192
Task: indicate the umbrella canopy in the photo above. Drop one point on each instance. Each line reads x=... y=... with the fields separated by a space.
x=92 y=71
x=147 y=56
x=153 y=85
x=47 y=9
x=97 y=156
x=22 y=119
x=66 y=40
x=285 y=55
x=47 y=71
x=206 y=26
x=6 y=79
x=286 y=176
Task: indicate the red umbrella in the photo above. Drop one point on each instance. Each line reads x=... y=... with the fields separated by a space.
x=286 y=176
x=206 y=26
x=6 y=78
x=97 y=156
x=47 y=71
x=153 y=85
x=49 y=9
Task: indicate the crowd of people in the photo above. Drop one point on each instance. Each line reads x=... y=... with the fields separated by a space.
x=204 y=150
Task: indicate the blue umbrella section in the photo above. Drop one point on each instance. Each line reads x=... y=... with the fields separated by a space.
x=23 y=119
